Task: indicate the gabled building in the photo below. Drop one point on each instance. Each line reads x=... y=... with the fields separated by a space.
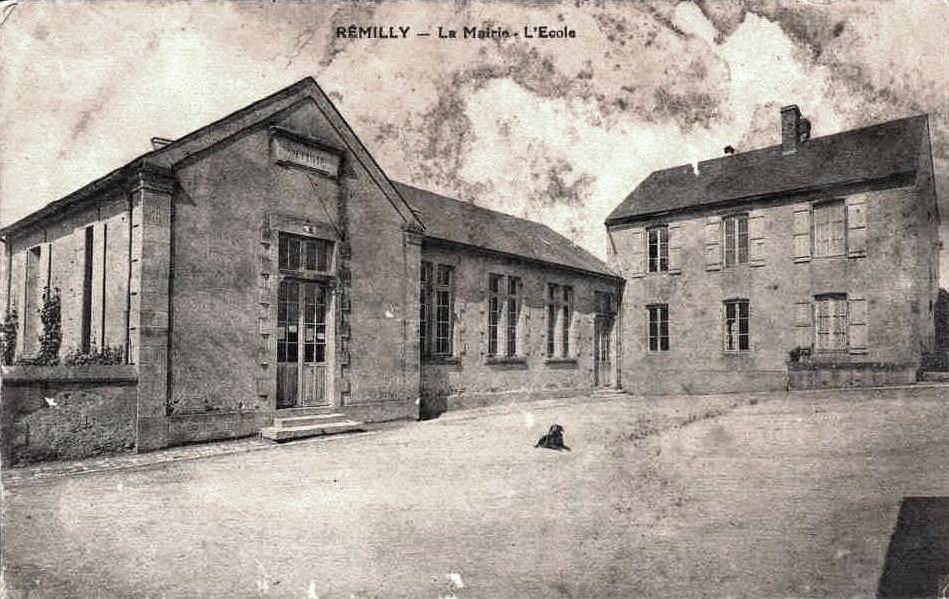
x=263 y=274
x=810 y=263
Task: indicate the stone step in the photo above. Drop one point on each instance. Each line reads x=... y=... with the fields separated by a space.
x=934 y=376
x=307 y=411
x=275 y=433
x=306 y=420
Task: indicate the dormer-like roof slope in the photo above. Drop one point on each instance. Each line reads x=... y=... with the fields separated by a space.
x=198 y=142
x=463 y=223
x=871 y=153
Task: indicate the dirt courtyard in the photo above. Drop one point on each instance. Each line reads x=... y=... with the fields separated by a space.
x=756 y=495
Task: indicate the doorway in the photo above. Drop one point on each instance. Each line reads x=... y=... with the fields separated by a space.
x=602 y=350
x=301 y=343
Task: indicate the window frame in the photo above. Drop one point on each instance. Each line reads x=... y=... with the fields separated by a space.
x=446 y=288
x=736 y=247
x=842 y=322
x=739 y=305
x=297 y=261
x=559 y=325
x=818 y=209
x=659 y=262
x=662 y=311
x=505 y=308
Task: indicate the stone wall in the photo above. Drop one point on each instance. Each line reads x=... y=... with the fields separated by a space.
x=470 y=377
x=54 y=413
x=861 y=374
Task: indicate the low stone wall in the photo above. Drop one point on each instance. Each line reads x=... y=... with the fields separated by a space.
x=817 y=375
x=55 y=412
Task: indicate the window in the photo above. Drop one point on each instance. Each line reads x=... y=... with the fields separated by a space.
x=735 y=232
x=86 y=332
x=436 y=298
x=735 y=334
x=831 y=322
x=288 y=306
x=604 y=303
x=559 y=316
x=829 y=229
x=425 y=292
x=658 y=330
x=504 y=310
x=443 y=310
x=298 y=253
x=658 y=242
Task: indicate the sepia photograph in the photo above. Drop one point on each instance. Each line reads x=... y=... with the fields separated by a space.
x=474 y=299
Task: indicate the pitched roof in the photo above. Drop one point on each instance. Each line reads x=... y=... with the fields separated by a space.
x=455 y=221
x=196 y=142
x=866 y=154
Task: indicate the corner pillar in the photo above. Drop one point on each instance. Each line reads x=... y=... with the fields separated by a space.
x=151 y=193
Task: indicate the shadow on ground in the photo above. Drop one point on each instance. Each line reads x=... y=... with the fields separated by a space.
x=917 y=561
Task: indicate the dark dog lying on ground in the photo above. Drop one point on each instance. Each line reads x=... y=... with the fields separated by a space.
x=553 y=439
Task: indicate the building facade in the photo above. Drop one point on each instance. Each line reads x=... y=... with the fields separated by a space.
x=812 y=263
x=263 y=274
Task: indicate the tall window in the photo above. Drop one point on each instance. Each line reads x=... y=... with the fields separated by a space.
x=494 y=312
x=658 y=242
x=831 y=322
x=443 y=287
x=299 y=253
x=504 y=310
x=86 y=338
x=736 y=335
x=513 y=311
x=735 y=230
x=559 y=316
x=829 y=229
x=425 y=293
x=658 y=329
x=436 y=298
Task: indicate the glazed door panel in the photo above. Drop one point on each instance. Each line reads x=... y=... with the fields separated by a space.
x=301 y=343
x=602 y=354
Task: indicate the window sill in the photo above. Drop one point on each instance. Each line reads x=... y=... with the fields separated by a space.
x=737 y=353
x=505 y=360
x=441 y=360
x=560 y=361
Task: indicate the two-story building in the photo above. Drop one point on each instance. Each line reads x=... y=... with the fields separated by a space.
x=809 y=263
x=263 y=274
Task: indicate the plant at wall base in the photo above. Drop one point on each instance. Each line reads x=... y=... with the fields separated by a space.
x=799 y=354
x=8 y=332
x=108 y=356
x=52 y=338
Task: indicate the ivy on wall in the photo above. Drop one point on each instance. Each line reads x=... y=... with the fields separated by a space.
x=9 y=331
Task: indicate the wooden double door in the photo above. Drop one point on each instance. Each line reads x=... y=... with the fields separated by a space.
x=302 y=307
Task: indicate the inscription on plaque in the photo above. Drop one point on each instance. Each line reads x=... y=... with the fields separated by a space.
x=292 y=152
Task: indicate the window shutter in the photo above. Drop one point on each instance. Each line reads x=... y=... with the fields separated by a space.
x=675 y=249
x=756 y=236
x=713 y=243
x=803 y=324
x=857 y=226
x=637 y=253
x=802 y=233
x=857 y=329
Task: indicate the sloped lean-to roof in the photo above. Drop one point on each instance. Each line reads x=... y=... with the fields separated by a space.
x=871 y=153
x=463 y=223
x=199 y=141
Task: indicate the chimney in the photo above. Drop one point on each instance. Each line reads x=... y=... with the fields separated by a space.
x=729 y=150
x=790 y=123
x=160 y=142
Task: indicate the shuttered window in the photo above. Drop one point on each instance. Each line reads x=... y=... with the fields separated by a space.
x=735 y=242
x=829 y=231
x=831 y=322
x=658 y=248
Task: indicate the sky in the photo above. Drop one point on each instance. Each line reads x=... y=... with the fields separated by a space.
x=556 y=130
